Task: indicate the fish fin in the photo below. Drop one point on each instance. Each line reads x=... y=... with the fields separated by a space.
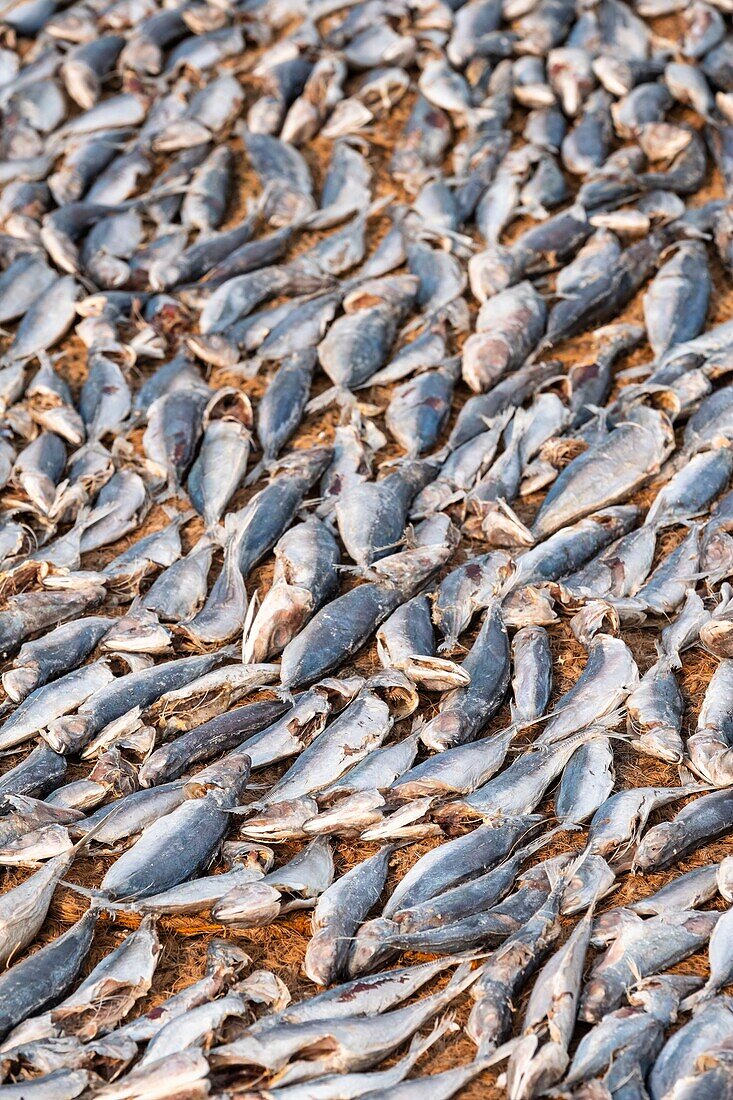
x=257 y=471
x=541 y=841
x=82 y=843
x=422 y=1043
x=502 y=518
x=463 y=976
x=362 y=572
x=85 y=891
x=249 y=618
x=492 y=1056
x=334 y=395
x=377 y=205
x=638 y=976
x=283 y=692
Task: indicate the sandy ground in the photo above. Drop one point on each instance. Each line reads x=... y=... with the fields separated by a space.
x=281 y=946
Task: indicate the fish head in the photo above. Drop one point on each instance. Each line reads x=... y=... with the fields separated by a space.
x=725 y=878
x=339 y=691
x=718 y=555
x=215 y=348
x=225 y=778
x=490 y=1018
x=664 y=743
x=224 y=959
x=369 y=948
x=528 y=606
x=717 y=637
x=322 y=957
x=491 y=271
x=284 y=611
x=280 y=821
x=142 y=55
x=19 y=682
x=595 y=1002
x=115 y=773
x=659 y=846
x=660 y=995
x=436 y=673
x=441 y=732
x=68 y=734
x=395 y=689
x=502 y=527
x=138 y=632
x=533 y=1068
x=350 y=815
x=249 y=906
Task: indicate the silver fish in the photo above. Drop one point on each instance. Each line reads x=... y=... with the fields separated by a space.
x=357 y=1043
x=292 y=886
x=628 y=456
x=692 y=489
x=708 y=747
x=707 y=1031
x=654 y=713
x=631 y=1036
x=50 y=702
x=676 y=303
x=193 y=831
x=532 y=678
x=128 y=969
x=362 y=726
x=704 y=819
x=617 y=824
x=509 y=326
x=466 y=590
x=225 y=445
x=306 y=559
x=465 y=711
x=642 y=948
x=507 y=971
x=332 y=1086
x=334 y=921
x=609 y=676
x=43 y=659
x=44 y=977
x=550 y=1015
x=407 y=641
x=587 y=781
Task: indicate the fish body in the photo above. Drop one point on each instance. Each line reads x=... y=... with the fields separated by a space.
x=465 y=711
x=176 y=846
x=43 y=977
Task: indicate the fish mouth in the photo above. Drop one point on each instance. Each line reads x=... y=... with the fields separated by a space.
x=436 y=673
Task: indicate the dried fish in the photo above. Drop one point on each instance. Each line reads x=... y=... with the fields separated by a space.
x=243 y=189
x=465 y=711
x=642 y=948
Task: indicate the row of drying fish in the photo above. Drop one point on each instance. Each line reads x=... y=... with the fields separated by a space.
x=160 y=201
x=328 y=1045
